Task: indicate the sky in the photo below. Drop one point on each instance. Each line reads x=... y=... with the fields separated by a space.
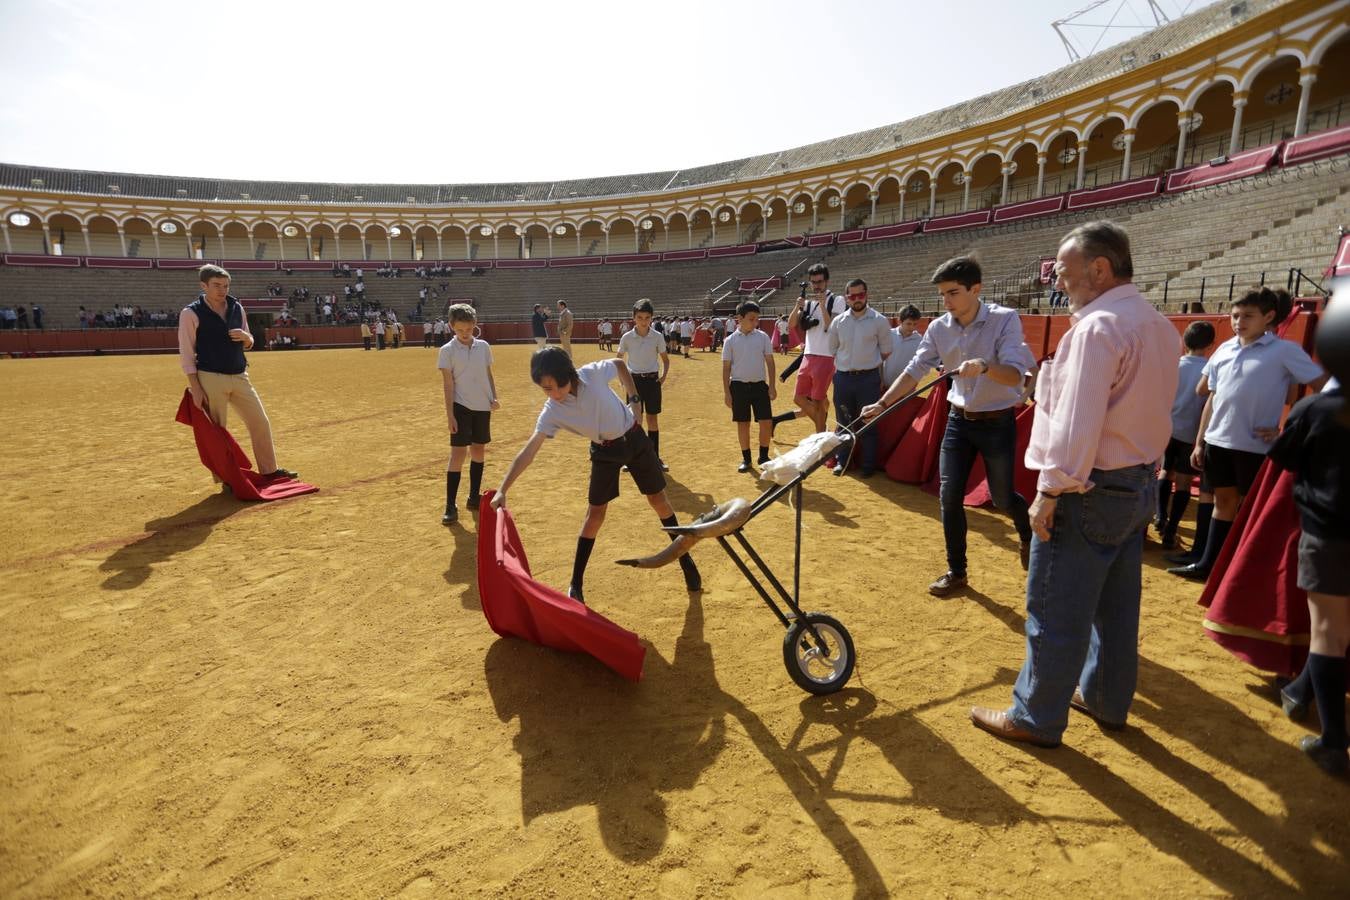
x=513 y=90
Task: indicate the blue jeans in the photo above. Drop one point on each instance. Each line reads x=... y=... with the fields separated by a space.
x=851 y=393
x=996 y=441
x=1083 y=604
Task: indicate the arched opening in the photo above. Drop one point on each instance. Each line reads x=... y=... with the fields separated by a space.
x=350 y=243
x=1021 y=169
x=677 y=232
x=1155 y=140
x=801 y=214
x=857 y=206
x=265 y=241
x=401 y=242
x=1329 y=104
x=986 y=182
x=700 y=222
x=322 y=242
x=454 y=242
x=375 y=243
x=235 y=243
x=914 y=197
x=829 y=211
x=1105 y=148
x=591 y=238
x=774 y=220
x=67 y=237
x=1272 y=103
x=292 y=241
x=205 y=239
x=951 y=188
x=140 y=237
x=104 y=239
x=508 y=243
x=651 y=233
x=23 y=232
x=622 y=237
x=1211 y=124
x=888 y=201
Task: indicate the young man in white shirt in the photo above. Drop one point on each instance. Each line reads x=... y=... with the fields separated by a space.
x=817 y=370
x=747 y=381
x=642 y=349
x=580 y=401
x=470 y=399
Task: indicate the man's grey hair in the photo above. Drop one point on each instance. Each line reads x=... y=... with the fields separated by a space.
x=1107 y=240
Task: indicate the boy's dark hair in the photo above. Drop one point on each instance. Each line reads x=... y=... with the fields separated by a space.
x=819 y=269
x=1265 y=299
x=555 y=363
x=910 y=312
x=644 y=305
x=462 y=312
x=1198 y=336
x=964 y=270
x=855 y=282
x=747 y=306
x=209 y=271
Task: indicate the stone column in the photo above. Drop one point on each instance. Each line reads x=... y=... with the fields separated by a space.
x=1307 y=77
x=1128 y=136
x=1040 y=174
x=1235 y=139
x=1183 y=130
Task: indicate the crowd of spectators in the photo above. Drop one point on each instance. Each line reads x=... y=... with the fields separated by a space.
x=126 y=316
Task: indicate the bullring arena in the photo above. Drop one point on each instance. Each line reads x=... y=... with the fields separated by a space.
x=303 y=697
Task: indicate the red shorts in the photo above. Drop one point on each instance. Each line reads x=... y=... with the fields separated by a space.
x=814 y=377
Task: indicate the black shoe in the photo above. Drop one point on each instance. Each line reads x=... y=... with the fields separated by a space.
x=662 y=464
x=576 y=594
x=1331 y=760
x=1193 y=572
x=1183 y=559
x=693 y=581
x=473 y=501
x=282 y=473
x=867 y=473
x=451 y=515
x=743 y=468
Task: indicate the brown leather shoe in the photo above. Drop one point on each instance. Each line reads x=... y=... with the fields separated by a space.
x=949 y=582
x=1078 y=703
x=1024 y=551
x=997 y=723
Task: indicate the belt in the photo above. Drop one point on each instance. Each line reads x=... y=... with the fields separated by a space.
x=871 y=371
x=620 y=439
x=645 y=374
x=961 y=412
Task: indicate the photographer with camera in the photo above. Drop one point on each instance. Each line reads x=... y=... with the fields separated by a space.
x=812 y=317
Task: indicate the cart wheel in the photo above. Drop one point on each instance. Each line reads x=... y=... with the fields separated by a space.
x=814 y=670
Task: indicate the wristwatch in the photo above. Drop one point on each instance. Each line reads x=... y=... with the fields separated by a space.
x=633 y=398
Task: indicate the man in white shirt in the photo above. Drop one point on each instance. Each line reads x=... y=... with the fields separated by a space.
x=580 y=401
x=644 y=348
x=813 y=379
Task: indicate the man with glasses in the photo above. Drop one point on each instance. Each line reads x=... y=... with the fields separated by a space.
x=861 y=341
x=981 y=344
x=813 y=379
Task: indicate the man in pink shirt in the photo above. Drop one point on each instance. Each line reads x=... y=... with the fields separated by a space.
x=1102 y=421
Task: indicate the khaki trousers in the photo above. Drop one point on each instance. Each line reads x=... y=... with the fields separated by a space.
x=566 y=341
x=224 y=391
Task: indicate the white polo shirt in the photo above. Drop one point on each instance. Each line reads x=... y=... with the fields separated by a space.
x=469 y=367
x=746 y=354
x=818 y=339
x=644 y=353
x=595 y=412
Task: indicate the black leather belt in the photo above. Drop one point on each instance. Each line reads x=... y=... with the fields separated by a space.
x=870 y=371
x=977 y=416
x=621 y=438
x=645 y=374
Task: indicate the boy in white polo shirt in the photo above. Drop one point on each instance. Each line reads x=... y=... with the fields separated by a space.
x=747 y=381
x=580 y=401
x=644 y=348
x=470 y=397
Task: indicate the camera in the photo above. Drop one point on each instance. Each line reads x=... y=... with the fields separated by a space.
x=807 y=321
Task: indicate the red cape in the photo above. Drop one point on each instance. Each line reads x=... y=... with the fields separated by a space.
x=518 y=606
x=1256 y=610
x=221 y=454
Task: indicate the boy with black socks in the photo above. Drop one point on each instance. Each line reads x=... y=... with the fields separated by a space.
x=470 y=398
x=1315 y=445
x=747 y=381
x=642 y=349
x=580 y=401
x=1174 y=483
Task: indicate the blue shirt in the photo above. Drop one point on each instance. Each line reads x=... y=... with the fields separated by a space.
x=1249 y=386
x=1188 y=405
x=994 y=336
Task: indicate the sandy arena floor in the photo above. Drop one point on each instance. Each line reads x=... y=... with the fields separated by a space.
x=303 y=698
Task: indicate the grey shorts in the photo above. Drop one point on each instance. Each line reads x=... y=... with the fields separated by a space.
x=1324 y=565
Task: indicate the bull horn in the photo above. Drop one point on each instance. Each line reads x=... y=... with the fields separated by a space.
x=720 y=520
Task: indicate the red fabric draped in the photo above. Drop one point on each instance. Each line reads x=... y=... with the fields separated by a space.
x=1256 y=610
x=518 y=606
x=221 y=454
x=915 y=458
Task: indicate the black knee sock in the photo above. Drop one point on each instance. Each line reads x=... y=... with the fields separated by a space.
x=686 y=561
x=1218 y=533
x=475 y=478
x=785 y=417
x=1164 y=497
x=656 y=442
x=745 y=457
x=1204 y=514
x=763 y=453
x=1300 y=689
x=451 y=488
x=1177 y=510
x=1328 y=681
x=584 y=547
